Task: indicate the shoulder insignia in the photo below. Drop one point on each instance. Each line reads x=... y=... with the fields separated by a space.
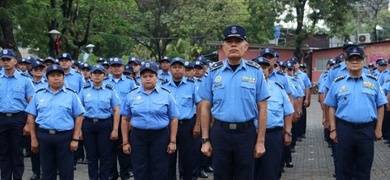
x=165 y=89
x=216 y=66
x=40 y=89
x=206 y=74
x=281 y=73
x=387 y=80
x=279 y=84
x=372 y=77
x=365 y=67
x=253 y=64
x=25 y=75
x=78 y=72
x=127 y=77
x=336 y=66
x=163 y=80
x=109 y=86
x=191 y=80
x=136 y=83
x=134 y=89
x=70 y=89
x=87 y=85
x=339 y=78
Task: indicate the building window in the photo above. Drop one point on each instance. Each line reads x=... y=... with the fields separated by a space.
x=321 y=63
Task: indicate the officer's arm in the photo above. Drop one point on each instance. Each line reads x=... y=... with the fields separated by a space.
x=32 y=126
x=125 y=129
x=332 y=118
x=380 y=112
x=262 y=120
x=116 y=117
x=77 y=126
x=205 y=117
x=173 y=125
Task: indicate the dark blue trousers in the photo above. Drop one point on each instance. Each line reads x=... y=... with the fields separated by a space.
x=55 y=155
x=386 y=125
x=11 y=146
x=149 y=153
x=35 y=163
x=117 y=155
x=267 y=167
x=233 y=153
x=185 y=143
x=355 y=151
x=98 y=147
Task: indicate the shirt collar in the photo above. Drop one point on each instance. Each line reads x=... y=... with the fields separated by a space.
x=241 y=66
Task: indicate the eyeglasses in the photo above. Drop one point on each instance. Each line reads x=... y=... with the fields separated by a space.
x=354 y=59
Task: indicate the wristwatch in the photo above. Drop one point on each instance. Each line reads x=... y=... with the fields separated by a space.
x=288 y=133
x=204 y=140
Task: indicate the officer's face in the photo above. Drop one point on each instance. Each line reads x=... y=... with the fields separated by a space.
x=85 y=72
x=189 y=73
x=199 y=71
x=289 y=71
x=22 y=66
x=234 y=48
x=354 y=63
x=165 y=65
x=8 y=63
x=117 y=69
x=148 y=79
x=271 y=59
x=135 y=67
x=38 y=71
x=265 y=67
x=55 y=79
x=65 y=63
x=177 y=70
x=97 y=76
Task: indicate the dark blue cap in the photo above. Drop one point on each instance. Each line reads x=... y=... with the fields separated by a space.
x=282 y=64
x=302 y=65
x=289 y=64
x=349 y=44
x=49 y=58
x=165 y=58
x=128 y=69
x=37 y=64
x=106 y=63
x=198 y=63
x=7 y=53
x=382 y=62
x=65 y=56
x=355 y=51
x=24 y=60
x=338 y=58
x=97 y=67
x=116 y=60
x=149 y=66
x=293 y=60
x=134 y=60
x=85 y=66
x=371 y=65
x=276 y=55
x=379 y=59
x=31 y=59
x=234 y=31
x=177 y=60
x=269 y=51
x=189 y=65
x=203 y=59
x=261 y=60
x=100 y=60
x=331 y=62
x=54 y=67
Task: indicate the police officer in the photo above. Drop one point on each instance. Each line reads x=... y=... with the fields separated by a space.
x=164 y=73
x=49 y=61
x=236 y=93
x=129 y=72
x=150 y=140
x=189 y=69
x=58 y=113
x=355 y=132
x=100 y=61
x=136 y=64
x=73 y=78
x=17 y=90
x=278 y=132
x=372 y=67
x=184 y=92
x=24 y=66
x=100 y=102
x=85 y=69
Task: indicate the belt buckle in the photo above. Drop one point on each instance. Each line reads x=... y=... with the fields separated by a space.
x=52 y=132
x=232 y=126
x=8 y=114
x=95 y=120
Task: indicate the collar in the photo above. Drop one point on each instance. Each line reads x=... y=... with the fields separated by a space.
x=16 y=74
x=227 y=66
x=157 y=89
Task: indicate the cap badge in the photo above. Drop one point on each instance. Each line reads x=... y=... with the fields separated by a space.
x=267 y=50
x=147 y=65
x=234 y=30
x=186 y=63
x=55 y=67
x=5 y=51
x=354 y=50
x=64 y=55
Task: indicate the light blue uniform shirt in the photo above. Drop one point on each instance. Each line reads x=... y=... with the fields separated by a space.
x=278 y=105
x=383 y=77
x=294 y=92
x=55 y=111
x=150 y=111
x=185 y=96
x=280 y=77
x=338 y=70
x=305 y=80
x=74 y=80
x=321 y=82
x=40 y=84
x=14 y=92
x=234 y=95
x=163 y=75
x=98 y=103
x=122 y=87
x=298 y=85
x=355 y=101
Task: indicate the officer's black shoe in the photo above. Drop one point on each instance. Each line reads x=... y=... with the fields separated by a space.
x=35 y=177
x=289 y=164
x=131 y=173
x=113 y=177
x=209 y=169
x=292 y=150
x=334 y=174
x=203 y=174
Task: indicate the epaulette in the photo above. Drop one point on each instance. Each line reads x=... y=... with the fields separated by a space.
x=387 y=80
x=339 y=78
x=109 y=86
x=216 y=66
x=136 y=83
x=336 y=66
x=25 y=75
x=281 y=73
x=134 y=89
x=279 y=84
x=70 y=89
x=78 y=72
x=253 y=64
x=365 y=67
x=87 y=85
x=40 y=89
x=127 y=77
x=165 y=89
x=163 y=80
x=206 y=74
x=191 y=80
x=372 y=77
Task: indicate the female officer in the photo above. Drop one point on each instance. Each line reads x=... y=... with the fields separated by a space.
x=149 y=109
x=100 y=102
x=58 y=112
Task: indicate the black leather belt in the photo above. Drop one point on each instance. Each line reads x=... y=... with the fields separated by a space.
x=234 y=126
x=96 y=120
x=52 y=131
x=356 y=125
x=10 y=114
x=150 y=131
x=274 y=129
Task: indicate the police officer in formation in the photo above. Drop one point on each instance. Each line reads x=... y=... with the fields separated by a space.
x=152 y=113
x=235 y=94
x=55 y=116
x=354 y=133
x=101 y=123
x=73 y=79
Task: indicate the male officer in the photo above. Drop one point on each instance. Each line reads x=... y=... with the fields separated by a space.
x=49 y=61
x=24 y=66
x=189 y=69
x=73 y=78
x=164 y=73
x=184 y=92
x=17 y=90
x=235 y=94
x=384 y=72
x=355 y=132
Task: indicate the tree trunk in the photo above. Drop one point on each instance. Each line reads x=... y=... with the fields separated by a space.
x=8 y=41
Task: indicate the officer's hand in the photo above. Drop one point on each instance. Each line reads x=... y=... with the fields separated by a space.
x=34 y=146
x=259 y=150
x=306 y=103
x=81 y=135
x=378 y=134
x=126 y=148
x=325 y=122
x=74 y=145
x=26 y=130
x=206 y=149
x=196 y=130
x=333 y=136
x=114 y=135
x=171 y=147
x=287 y=139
